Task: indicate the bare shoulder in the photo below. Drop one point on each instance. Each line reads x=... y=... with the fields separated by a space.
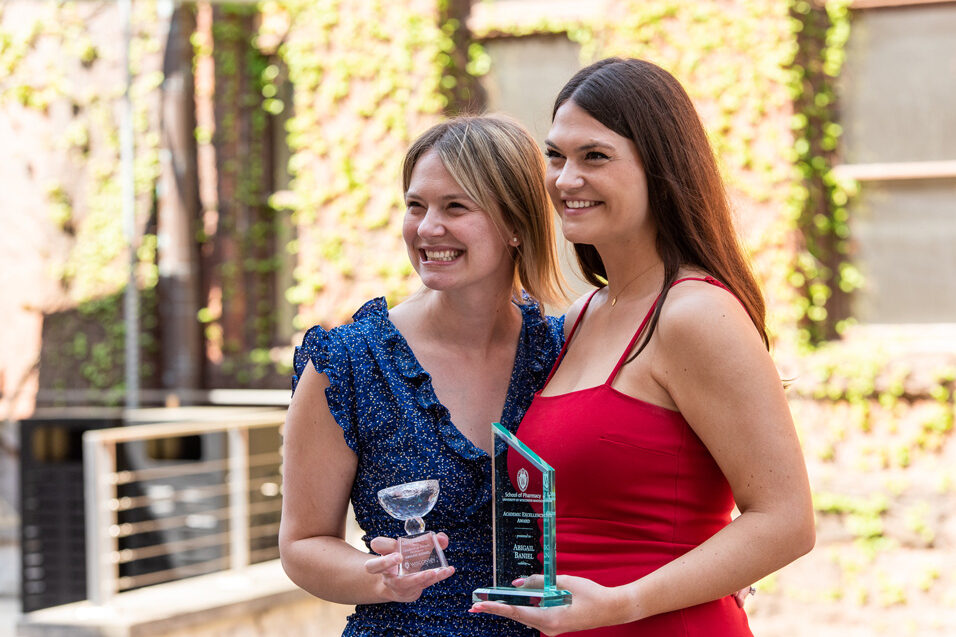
x=574 y=311
x=407 y=315
x=697 y=314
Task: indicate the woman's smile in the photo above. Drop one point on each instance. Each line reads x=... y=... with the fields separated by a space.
x=438 y=255
x=579 y=206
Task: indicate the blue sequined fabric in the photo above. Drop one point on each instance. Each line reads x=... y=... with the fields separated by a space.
x=390 y=416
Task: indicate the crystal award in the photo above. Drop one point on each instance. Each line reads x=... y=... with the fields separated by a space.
x=410 y=502
x=523 y=525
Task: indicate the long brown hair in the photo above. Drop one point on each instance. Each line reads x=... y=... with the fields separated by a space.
x=501 y=168
x=643 y=102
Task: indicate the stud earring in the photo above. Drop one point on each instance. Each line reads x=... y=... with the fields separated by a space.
x=514 y=240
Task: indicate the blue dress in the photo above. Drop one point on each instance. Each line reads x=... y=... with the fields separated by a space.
x=391 y=418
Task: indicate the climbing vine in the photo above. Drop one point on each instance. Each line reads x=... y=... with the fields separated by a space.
x=83 y=201
x=818 y=201
x=367 y=77
x=461 y=60
x=238 y=248
x=731 y=59
x=366 y=81
x=756 y=70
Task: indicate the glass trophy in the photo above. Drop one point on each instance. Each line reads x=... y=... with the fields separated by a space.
x=410 y=502
x=523 y=526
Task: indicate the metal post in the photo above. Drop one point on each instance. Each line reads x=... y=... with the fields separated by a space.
x=128 y=186
x=101 y=571
x=238 y=497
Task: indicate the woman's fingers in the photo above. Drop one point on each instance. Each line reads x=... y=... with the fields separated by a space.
x=384 y=545
x=408 y=588
x=532 y=581
x=741 y=596
x=404 y=588
x=533 y=617
x=422 y=580
x=385 y=564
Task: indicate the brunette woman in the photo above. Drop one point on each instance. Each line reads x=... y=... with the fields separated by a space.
x=664 y=409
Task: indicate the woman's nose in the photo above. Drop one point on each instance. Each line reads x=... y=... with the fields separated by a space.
x=432 y=224
x=569 y=177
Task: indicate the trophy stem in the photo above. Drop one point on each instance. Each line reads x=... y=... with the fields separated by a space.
x=414 y=526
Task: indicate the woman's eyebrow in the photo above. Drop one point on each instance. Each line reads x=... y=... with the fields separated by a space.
x=458 y=195
x=411 y=194
x=584 y=147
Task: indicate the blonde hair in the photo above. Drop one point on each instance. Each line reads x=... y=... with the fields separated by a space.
x=501 y=168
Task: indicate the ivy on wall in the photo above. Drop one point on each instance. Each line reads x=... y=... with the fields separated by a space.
x=756 y=70
x=731 y=58
x=48 y=70
x=238 y=241
x=462 y=60
x=742 y=112
x=818 y=203
x=753 y=68
x=366 y=81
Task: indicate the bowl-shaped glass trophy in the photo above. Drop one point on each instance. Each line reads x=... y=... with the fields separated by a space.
x=411 y=502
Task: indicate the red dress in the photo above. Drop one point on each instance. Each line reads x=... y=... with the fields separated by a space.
x=635 y=489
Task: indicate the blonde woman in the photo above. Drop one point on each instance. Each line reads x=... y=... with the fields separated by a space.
x=408 y=393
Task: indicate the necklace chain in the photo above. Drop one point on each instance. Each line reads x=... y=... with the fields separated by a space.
x=636 y=277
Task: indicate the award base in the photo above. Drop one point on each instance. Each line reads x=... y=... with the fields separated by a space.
x=420 y=552
x=542 y=598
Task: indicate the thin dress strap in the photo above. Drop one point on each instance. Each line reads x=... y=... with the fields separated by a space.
x=647 y=317
x=574 y=327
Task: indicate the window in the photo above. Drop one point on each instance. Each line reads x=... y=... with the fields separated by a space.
x=898 y=88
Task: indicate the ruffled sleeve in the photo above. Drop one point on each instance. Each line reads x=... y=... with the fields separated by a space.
x=545 y=338
x=329 y=356
x=556 y=325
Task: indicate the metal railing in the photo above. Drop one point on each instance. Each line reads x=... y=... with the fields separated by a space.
x=167 y=501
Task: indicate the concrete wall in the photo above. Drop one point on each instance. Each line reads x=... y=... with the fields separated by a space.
x=526 y=75
x=311 y=617
x=258 y=601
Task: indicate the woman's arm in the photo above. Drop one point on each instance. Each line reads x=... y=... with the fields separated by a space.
x=318 y=473
x=715 y=367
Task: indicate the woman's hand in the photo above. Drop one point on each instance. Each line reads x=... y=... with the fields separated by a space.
x=592 y=606
x=741 y=596
x=405 y=588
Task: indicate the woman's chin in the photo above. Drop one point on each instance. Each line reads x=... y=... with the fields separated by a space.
x=575 y=235
x=575 y=231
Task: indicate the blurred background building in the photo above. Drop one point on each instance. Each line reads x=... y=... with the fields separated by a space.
x=267 y=198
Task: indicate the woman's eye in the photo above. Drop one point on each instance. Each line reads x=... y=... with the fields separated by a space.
x=552 y=154
x=595 y=155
